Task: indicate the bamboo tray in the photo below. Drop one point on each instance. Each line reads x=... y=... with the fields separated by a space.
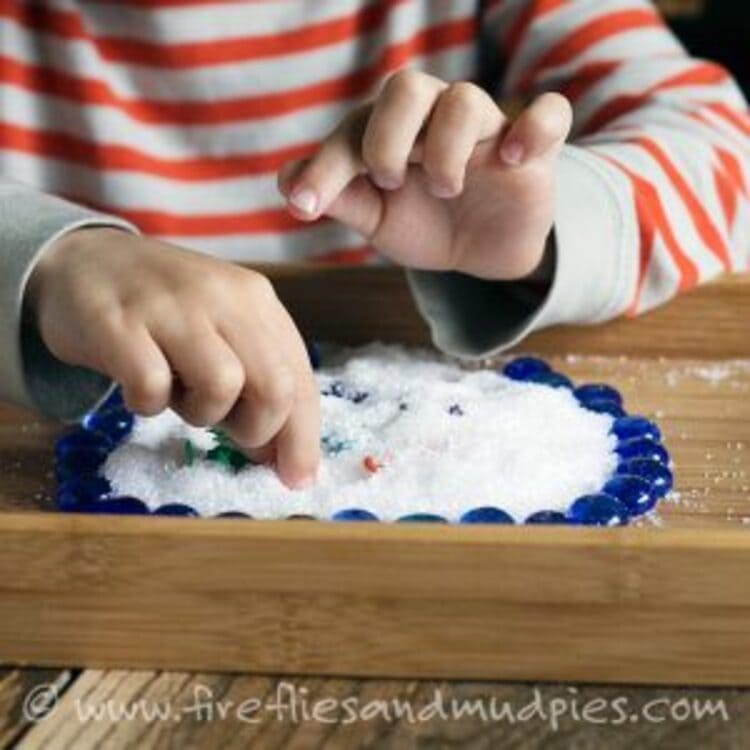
x=666 y=603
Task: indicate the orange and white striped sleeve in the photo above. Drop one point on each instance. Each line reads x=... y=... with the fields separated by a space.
x=652 y=192
x=661 y=142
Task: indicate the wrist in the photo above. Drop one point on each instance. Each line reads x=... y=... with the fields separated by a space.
x=54 y=257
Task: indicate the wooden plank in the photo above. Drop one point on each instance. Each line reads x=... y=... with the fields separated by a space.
x=25 y=696
x=355 y=305
x=240 y=711
x=303 y=598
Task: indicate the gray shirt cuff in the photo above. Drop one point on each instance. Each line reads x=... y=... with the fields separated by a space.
x=30 y=376
x=593 y=258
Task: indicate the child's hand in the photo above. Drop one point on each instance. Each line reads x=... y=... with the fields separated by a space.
x=179 y=328
x=435 y=176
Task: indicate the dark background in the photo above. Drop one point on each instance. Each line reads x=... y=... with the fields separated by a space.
x=717 y=29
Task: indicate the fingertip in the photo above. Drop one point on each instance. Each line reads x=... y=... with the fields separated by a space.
x=304 y=203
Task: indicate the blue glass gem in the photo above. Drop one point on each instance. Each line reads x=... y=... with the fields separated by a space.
x=81 y=439
x=176 y=509
x=455 y=410
x=84 y=459
x=597 y=392
x=547 y=516
x=642 y=448
x=80 y=490
x=635 y=427
x=422 y=518
x=122 y=506
x=486 y=514
x=656 y=474
x=605 y=407
x=353 y=514
x=116 y=424
x=523 y=368
x=313 y=352
x=232 y=514
x=598 y=510
x=552 y=379
x=113 y=401
x=634 y=491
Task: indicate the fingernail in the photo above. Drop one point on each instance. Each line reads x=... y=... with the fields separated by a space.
x=444 y=191
x=387 y=182
x=304 y=200
x=512 y=153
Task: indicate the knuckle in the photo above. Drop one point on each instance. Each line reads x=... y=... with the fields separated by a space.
x=148 y=389
x=406 y=82
x=463 y=96
x=222 y=383
x=258 y=287
x=556 y=101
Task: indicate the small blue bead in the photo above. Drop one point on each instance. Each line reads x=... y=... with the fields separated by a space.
x=123 y=506
x=656 y=474
x=116 y=424
x=551 y=379
x=455 y=410
x=353 y=514
x=486 y=514
x=635 y=427
x=605 y=407
x=523 y=368
x=313 y=352
x=634 y=491
x=232 y=514
x=547 y=516
x=642 y=448
x=81 y=489
x=422 y=518
x=176 y=509
x=337 y=389
x=597 y=392
x=598 y=510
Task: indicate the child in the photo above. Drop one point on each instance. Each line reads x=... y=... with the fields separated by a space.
x=173 y=118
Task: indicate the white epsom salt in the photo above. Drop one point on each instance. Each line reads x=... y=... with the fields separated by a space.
x=442 y=440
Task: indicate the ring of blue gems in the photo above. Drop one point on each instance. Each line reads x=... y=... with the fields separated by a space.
x=642 y=476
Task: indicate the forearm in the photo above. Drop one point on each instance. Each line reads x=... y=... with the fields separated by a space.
x=30 y=376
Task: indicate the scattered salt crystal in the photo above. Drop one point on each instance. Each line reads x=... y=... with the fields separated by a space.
x=518 y=446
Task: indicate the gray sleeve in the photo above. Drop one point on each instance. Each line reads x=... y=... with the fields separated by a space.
x=30 y=376
x=593 y=261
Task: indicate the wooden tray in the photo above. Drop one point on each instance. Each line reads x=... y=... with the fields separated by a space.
x=666 y=603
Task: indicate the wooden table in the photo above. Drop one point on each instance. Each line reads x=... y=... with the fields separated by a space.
x=698 y=391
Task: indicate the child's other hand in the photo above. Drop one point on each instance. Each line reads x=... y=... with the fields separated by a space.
x=181 y=329
x=437 y=178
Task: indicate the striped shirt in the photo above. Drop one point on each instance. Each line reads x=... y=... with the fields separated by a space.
x=177 y=114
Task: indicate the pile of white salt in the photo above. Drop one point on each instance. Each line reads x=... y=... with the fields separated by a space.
x=442 y=439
